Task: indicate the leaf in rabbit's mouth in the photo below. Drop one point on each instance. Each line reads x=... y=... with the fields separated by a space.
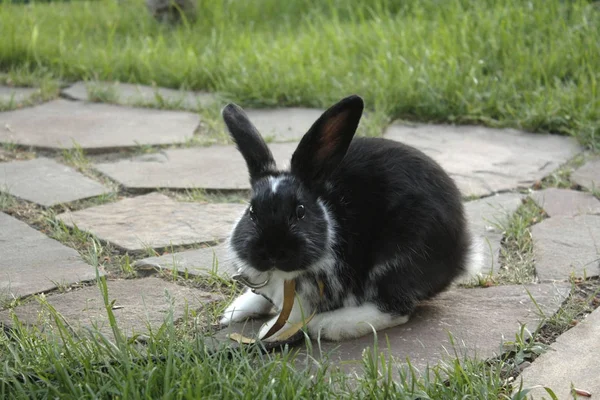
x=289 y=335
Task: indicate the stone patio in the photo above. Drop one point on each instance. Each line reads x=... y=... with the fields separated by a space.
x=136 y=95
x=215 y=167
x=16 y=95
x=140 y=304
x=484 y=160
x=61 y=124
x=495 y=170
x=46 y=182
x=31 y=262
x=155 y=221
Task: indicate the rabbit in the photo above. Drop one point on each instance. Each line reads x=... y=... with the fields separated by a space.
x=378 y=222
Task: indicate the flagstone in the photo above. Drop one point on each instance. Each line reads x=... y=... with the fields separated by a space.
x=140 y=304
x=566 y=245
x=198 y=262
x=155 y=221
x=138 y=95
x=46 y=182
x=16 y=95
x=569 y=361
x=283 y=124
x=214 y=167
x=556 y=202
x=63 y=124
x=475 y=320
x=484 y=160
x=588 y=175
x=31 y=262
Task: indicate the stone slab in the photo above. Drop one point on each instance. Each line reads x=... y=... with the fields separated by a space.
x=478 y=319
x=60 y=123
x=572 y=359
x=155 y=220
x=283 y=124
x=486 y=217
x=566 y=245
x=138 y=303
x=30 y=262
x=588 y=175
x=198 y=262
x=215 y=167
x=136 y=95
x=558 y=202
x=484 y=160
x=46 y=182
x=16 y=95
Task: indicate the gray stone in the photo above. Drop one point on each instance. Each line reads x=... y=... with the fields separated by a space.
x=478 y=319
x=566 y=245
x=486 y=218
x=155 y=220
x=215 y=167
x=199 y=262
x=61 y=123
x=135 y=95
x=139 y=303
x=558 y=202
x=283 y=124
x=484 y=160
x=32 y=263
x=46 y=182
x=16 y=95
x=588 y=175
x=571 y=360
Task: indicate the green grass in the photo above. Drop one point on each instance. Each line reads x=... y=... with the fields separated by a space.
x=516 y=254
x=173 y=362
x=533 y=65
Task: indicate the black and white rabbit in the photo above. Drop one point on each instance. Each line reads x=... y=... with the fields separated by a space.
x=378 y=222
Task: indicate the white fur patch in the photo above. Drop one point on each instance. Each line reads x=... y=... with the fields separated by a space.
x=246 y=306
x=275 y=181
x=352 y=322
x=475 y=259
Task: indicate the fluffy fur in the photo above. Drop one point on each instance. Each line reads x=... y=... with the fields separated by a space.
x=378 y=222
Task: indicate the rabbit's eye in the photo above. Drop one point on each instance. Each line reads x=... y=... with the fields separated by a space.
x=300 y=211
x=251 y=213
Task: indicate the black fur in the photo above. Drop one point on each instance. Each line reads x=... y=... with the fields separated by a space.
x=400 y=232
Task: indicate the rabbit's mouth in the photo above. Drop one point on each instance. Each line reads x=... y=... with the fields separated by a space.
x=243 y=280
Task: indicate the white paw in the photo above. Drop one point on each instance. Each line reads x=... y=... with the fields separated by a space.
x=248 y=305
x=351 y=323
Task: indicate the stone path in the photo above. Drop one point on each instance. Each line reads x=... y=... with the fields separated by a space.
x=155 y=221
x=46 y=182
x=138 y=303
x=16 y=96
x=495 y=169
x=215 y=167
x=60 y=124
x=483 y=160
x=138 y=95
x=572 y=360
x=31 y=262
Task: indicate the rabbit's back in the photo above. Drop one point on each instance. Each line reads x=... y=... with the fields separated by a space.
x=400 y=222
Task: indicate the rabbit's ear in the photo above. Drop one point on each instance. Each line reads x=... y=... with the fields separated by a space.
x=249 y=142
x=325 y=144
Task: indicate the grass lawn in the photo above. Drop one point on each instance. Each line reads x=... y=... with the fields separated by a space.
x=528 y=64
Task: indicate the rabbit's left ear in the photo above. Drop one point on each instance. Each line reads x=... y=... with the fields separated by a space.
x=259 y=158
x=325 y=144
